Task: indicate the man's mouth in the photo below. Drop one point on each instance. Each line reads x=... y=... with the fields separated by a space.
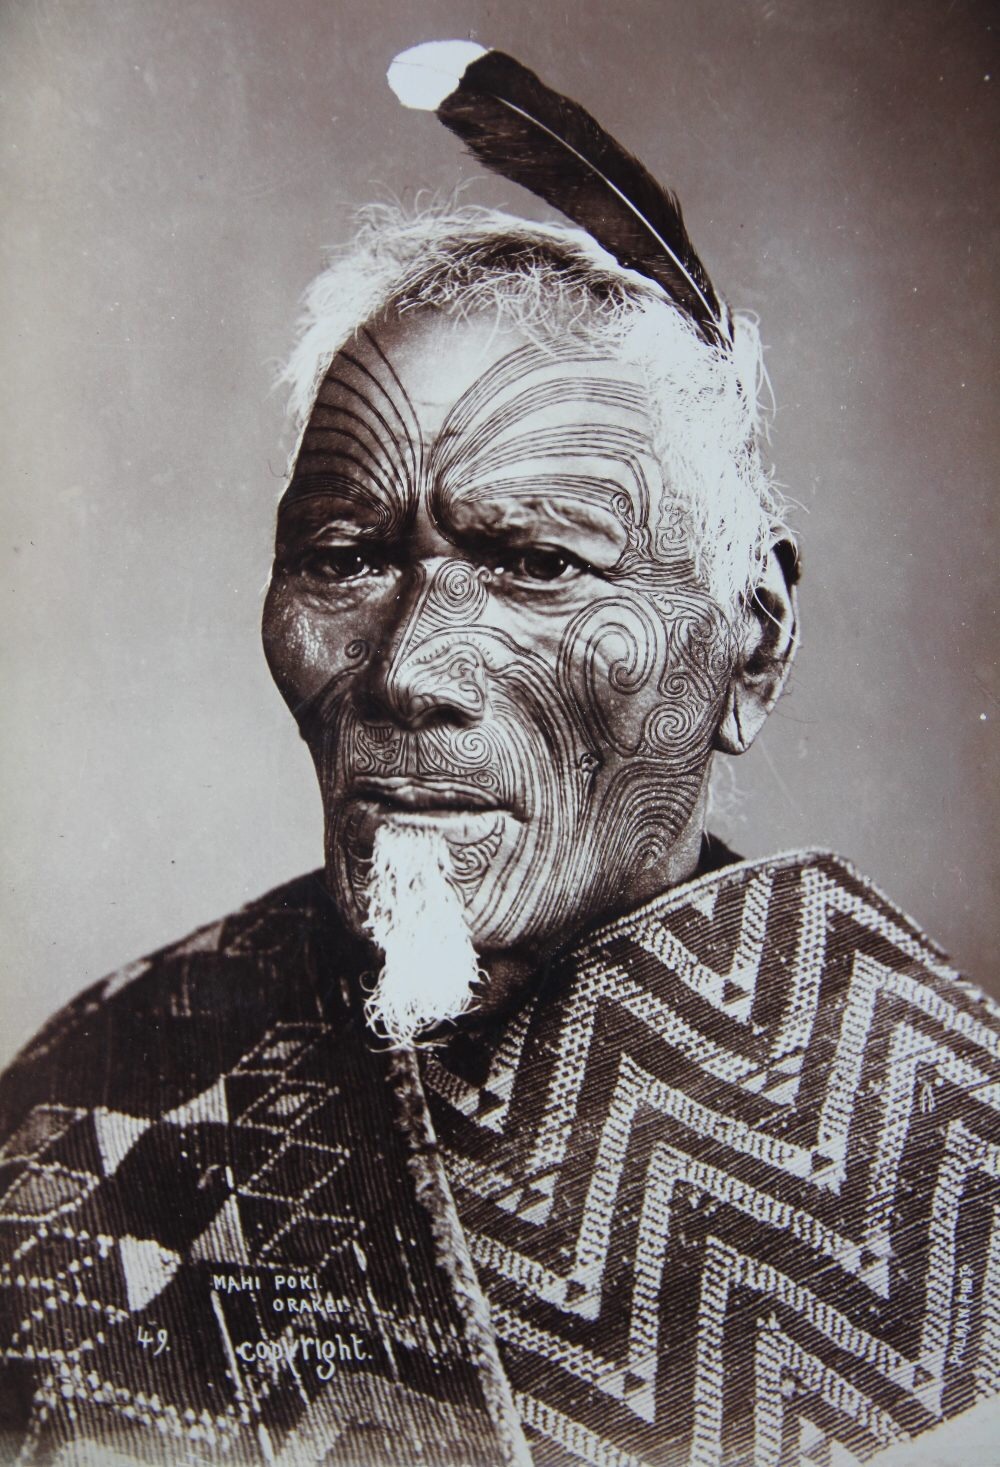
x=431 y=796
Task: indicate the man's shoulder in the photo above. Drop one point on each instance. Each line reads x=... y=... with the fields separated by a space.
x=225 y=973
x=793 y=889
x=784 y=947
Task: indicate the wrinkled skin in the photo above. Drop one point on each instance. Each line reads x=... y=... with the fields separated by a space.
x=484 y=616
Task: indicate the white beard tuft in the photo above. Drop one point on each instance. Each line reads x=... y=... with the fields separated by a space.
x=417 y=918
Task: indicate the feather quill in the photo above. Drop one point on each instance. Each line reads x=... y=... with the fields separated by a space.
x=520 y=128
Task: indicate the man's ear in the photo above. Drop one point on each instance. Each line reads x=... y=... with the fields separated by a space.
x=770 y=637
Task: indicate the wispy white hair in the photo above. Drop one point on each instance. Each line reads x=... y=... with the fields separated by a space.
x=416 y=916
x=550 y=279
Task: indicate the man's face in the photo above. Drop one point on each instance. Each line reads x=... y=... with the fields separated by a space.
x=485 y=618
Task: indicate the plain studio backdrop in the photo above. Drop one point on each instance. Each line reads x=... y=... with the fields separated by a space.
x=173 y=171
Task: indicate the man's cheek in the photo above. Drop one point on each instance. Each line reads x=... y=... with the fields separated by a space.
x=614 y=656
x=647 y=680
x=306 y=652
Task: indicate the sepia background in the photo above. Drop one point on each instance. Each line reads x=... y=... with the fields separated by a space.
x=172 y=171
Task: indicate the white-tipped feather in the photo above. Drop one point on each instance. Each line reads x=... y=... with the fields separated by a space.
x=424 y=75
x=523 y=130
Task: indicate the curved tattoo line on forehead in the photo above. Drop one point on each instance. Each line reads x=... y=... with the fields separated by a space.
x=390 y=389
x=527 y=360
x=390 y=456
x=530 y=401
x=386 y=477
x=414 y=441
x=476 y=437
x=597 y=440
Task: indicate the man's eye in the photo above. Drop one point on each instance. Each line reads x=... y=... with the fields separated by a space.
x=541 y=565
x=339 y=563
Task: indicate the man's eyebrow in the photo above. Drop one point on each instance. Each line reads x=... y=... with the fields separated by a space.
x=529 y=509
x=578 y=474
x=339 y=479
x=579 y=499
x=316 y=501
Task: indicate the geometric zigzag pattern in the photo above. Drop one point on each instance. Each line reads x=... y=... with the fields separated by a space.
x=732 y=1182
x=726 y=1186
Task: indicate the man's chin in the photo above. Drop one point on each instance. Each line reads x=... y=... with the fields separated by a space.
x=485 y=849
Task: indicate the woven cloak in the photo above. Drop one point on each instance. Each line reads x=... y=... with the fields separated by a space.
x=722 y=1190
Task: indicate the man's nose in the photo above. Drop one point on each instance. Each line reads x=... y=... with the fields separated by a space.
x=427 y=669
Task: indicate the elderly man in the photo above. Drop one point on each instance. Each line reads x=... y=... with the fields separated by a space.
x=537 y=1126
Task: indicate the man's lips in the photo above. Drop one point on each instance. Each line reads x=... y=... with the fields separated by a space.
x=400 y=792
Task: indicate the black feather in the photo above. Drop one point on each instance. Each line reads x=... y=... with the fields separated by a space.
x=521 y=129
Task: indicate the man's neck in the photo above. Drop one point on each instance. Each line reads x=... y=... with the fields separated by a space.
x=511 y=972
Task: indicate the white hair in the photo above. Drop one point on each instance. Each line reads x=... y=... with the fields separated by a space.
x=550 y=279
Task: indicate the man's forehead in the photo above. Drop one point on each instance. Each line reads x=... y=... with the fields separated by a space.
x=501 y=429
x=432 y=360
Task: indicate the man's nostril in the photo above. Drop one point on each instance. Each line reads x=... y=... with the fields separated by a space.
x=434 y=680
